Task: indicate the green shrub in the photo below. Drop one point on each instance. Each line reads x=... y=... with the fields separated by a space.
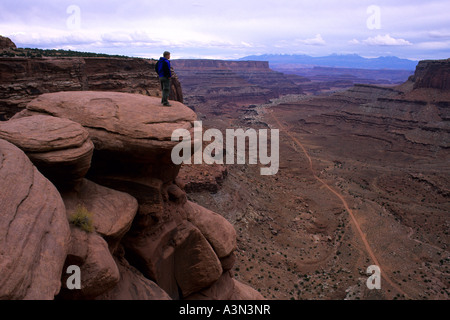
x=82 y=219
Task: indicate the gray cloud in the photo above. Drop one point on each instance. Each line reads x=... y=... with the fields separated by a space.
x=232 y=28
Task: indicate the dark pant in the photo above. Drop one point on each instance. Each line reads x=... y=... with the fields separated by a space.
x=165 y=86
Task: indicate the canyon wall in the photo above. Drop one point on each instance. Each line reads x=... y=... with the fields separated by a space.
x=227 y=82
x=23 y=79
x=434 y=74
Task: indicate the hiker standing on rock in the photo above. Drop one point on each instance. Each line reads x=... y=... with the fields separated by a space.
x=163 y=69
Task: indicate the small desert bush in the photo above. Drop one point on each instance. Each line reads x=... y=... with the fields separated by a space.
x=82 y=219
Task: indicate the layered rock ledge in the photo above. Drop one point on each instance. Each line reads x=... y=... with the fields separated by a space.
x=59 y=148
x=118 y=122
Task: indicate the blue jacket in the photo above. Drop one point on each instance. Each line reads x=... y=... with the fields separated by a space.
x=163 y=68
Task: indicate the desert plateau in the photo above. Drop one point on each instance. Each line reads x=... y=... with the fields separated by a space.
x=363 y=181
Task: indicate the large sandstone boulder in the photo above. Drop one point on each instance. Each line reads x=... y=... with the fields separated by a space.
x=60 y=148
x=150 y=248
x=146 y=190
x=176 y=255
x=113 y=211
x=216 y=229
x=131 y=132
x=34 y=231
x=133 y=286
x=99 y=272
x=228 y=262
x=174 y=242
x=41 y=133
x=133 y=124
x=196 y=264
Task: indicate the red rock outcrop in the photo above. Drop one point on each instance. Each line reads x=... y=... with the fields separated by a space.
x=59 y=148
x=433 y=74
x=6 y=43
x=196 y=265
x=34 y=231
x=118 y=122
x=144 y=229
x=223 y=239
x=98 y=270
x=23 y=79
x=201 y=177
x=43 y=133
x=227 y=288
x=114 y=210
x=123 y=127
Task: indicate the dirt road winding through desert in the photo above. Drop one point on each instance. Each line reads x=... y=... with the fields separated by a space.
x=345 y=204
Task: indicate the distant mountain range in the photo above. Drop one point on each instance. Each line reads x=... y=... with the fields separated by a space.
x=336 y=61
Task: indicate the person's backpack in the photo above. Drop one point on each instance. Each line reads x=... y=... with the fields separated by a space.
x=159 y=67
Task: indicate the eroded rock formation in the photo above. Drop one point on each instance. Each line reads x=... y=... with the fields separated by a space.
x=34 y=231
x=6 y=43
x=59 y=148
x=433 y=74
x=147 y=240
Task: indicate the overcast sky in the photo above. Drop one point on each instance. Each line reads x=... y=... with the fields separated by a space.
x=232 y=29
